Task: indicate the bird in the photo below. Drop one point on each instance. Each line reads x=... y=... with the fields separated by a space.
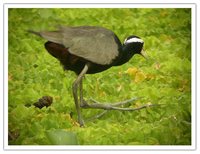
x=88 y=50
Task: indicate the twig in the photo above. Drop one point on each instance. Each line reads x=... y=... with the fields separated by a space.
x=11 y=136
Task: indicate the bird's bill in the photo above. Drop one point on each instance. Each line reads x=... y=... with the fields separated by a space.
x=144 y=54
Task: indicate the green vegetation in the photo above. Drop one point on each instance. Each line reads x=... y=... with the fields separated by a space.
x=165 y=78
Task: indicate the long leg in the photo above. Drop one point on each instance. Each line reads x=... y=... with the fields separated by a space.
x=75 y=85
x=81 y=91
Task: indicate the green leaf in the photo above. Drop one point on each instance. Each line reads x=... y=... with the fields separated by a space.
x=62 y=137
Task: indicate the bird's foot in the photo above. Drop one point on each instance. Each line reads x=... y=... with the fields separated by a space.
x=117 y=103
x=111 y=106
x=107 y=106
x=81 y=122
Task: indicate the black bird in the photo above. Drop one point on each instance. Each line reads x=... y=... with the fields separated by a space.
x=88 y=50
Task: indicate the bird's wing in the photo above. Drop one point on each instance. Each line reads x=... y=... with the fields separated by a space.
x=95 y=44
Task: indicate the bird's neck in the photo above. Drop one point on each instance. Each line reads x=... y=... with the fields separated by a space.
x=125 y=54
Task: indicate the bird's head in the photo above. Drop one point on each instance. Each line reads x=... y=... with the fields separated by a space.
x=135 y=44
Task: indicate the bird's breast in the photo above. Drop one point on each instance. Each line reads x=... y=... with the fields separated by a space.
x=71 y=61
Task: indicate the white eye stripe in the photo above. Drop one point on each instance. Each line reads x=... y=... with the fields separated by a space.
x=133 y=40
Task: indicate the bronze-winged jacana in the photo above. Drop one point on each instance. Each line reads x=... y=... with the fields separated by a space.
x=88 y=50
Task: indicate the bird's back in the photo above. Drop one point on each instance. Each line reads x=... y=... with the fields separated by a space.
x=96 y=44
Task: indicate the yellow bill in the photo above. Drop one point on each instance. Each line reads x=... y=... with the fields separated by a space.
x=144 y=54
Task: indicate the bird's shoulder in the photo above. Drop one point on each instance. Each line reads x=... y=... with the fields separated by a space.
x=86 y=32
x=91 y=43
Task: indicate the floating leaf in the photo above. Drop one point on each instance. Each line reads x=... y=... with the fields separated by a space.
x=132 y=71
x=157 y=66
x=140 y=76
x=137 y=74
x=62 y=137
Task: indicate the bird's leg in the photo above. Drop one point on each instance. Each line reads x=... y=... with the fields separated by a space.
x=81 y=92
x=77 y=83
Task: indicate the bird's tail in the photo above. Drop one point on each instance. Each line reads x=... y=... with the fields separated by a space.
x=34 y=32
x=52 y=36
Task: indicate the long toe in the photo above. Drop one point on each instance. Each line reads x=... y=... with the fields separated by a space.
x=83 y=103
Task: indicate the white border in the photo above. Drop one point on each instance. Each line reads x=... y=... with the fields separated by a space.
x=189 y=5
x=98 y=5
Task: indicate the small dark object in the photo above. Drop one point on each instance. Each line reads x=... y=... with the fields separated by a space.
x=44 y=101
x=35 y=65
x=71 y=114
x=88 y=50
x=13 y=135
